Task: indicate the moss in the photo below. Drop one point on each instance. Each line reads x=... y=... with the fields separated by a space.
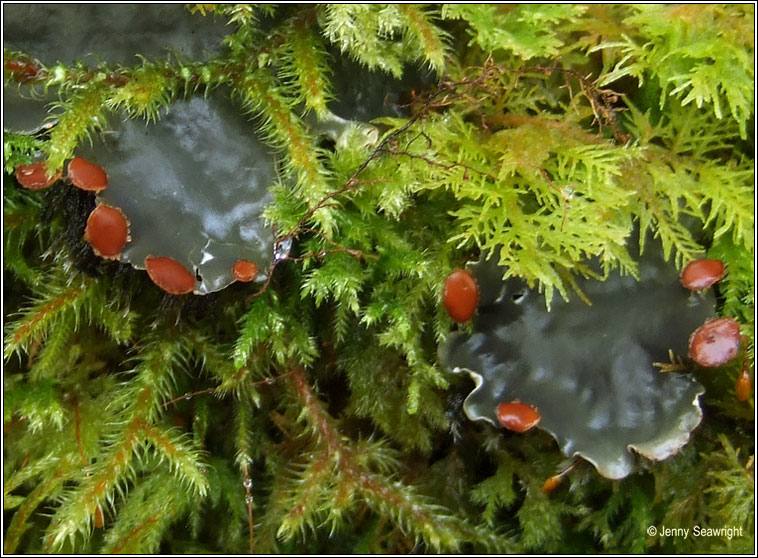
x=310 y=412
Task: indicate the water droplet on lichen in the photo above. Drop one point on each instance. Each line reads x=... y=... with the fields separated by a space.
x=282 y=249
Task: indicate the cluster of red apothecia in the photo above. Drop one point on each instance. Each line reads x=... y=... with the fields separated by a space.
x=717 y=341
x=713 y=344
x=107 y=229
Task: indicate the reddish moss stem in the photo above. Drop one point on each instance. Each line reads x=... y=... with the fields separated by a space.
x=373 y=487
x=77 y=424
x=44 y=312
x=133 y=533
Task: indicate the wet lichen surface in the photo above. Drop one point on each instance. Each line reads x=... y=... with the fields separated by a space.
x=178 y=180
x=193 y=181
x=587 y=369
x=193 y=186
x=93 y=33
x=307 y=407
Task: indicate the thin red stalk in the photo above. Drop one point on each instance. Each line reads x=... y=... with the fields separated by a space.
x=268 y=381
x=44 y=311
x=329 y=433
x=133 y=533
x=77 y=423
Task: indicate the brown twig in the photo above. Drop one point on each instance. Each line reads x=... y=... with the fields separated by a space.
x=447 y=91
x=438 y=99
x=601 y=100
x=357 y=254
x=189 y=395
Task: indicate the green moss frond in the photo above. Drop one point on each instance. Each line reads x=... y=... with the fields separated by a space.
x=371 y=369
x=305 y=63
x=532 y=176
x=47 y=489
x=660 y=211
x=53 y=358
x=339 y=278
x=266 y=100
x=67 y=304
x=108 y=477
x=685 y=130
x=226 y=495
x=732 y=487
x=676 y=189
x=146 y=91
x=738 y=286
x=18 y=150
x=366 y=32
x=153 y=380
x=333 y=478
x=269 y=334
x=542 y=520
x=243 y=437
x=149 y=510
x=114 y=474
x=37 y=403
x=694 y=54
x=615 y=526
x=78 y=116
x=30 y=471
x=497 y=491
x=22 y=235
x=520 y=29
x=424 y=36
x=38 y=318
x=183 y=459
x=371 y=35
x=244 y=14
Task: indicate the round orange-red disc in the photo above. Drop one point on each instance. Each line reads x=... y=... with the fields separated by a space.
x=35 y=177
x=244 y=271
x=107 y=231
x=701 y=274
x=170 y=275
x=460 y=295
x=87 y=176
x=517 y=416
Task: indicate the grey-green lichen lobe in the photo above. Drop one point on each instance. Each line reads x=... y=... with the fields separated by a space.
x=588 y=369
x=97 y=33
x=193 y=185
x=24 y=111
x=110 y=33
